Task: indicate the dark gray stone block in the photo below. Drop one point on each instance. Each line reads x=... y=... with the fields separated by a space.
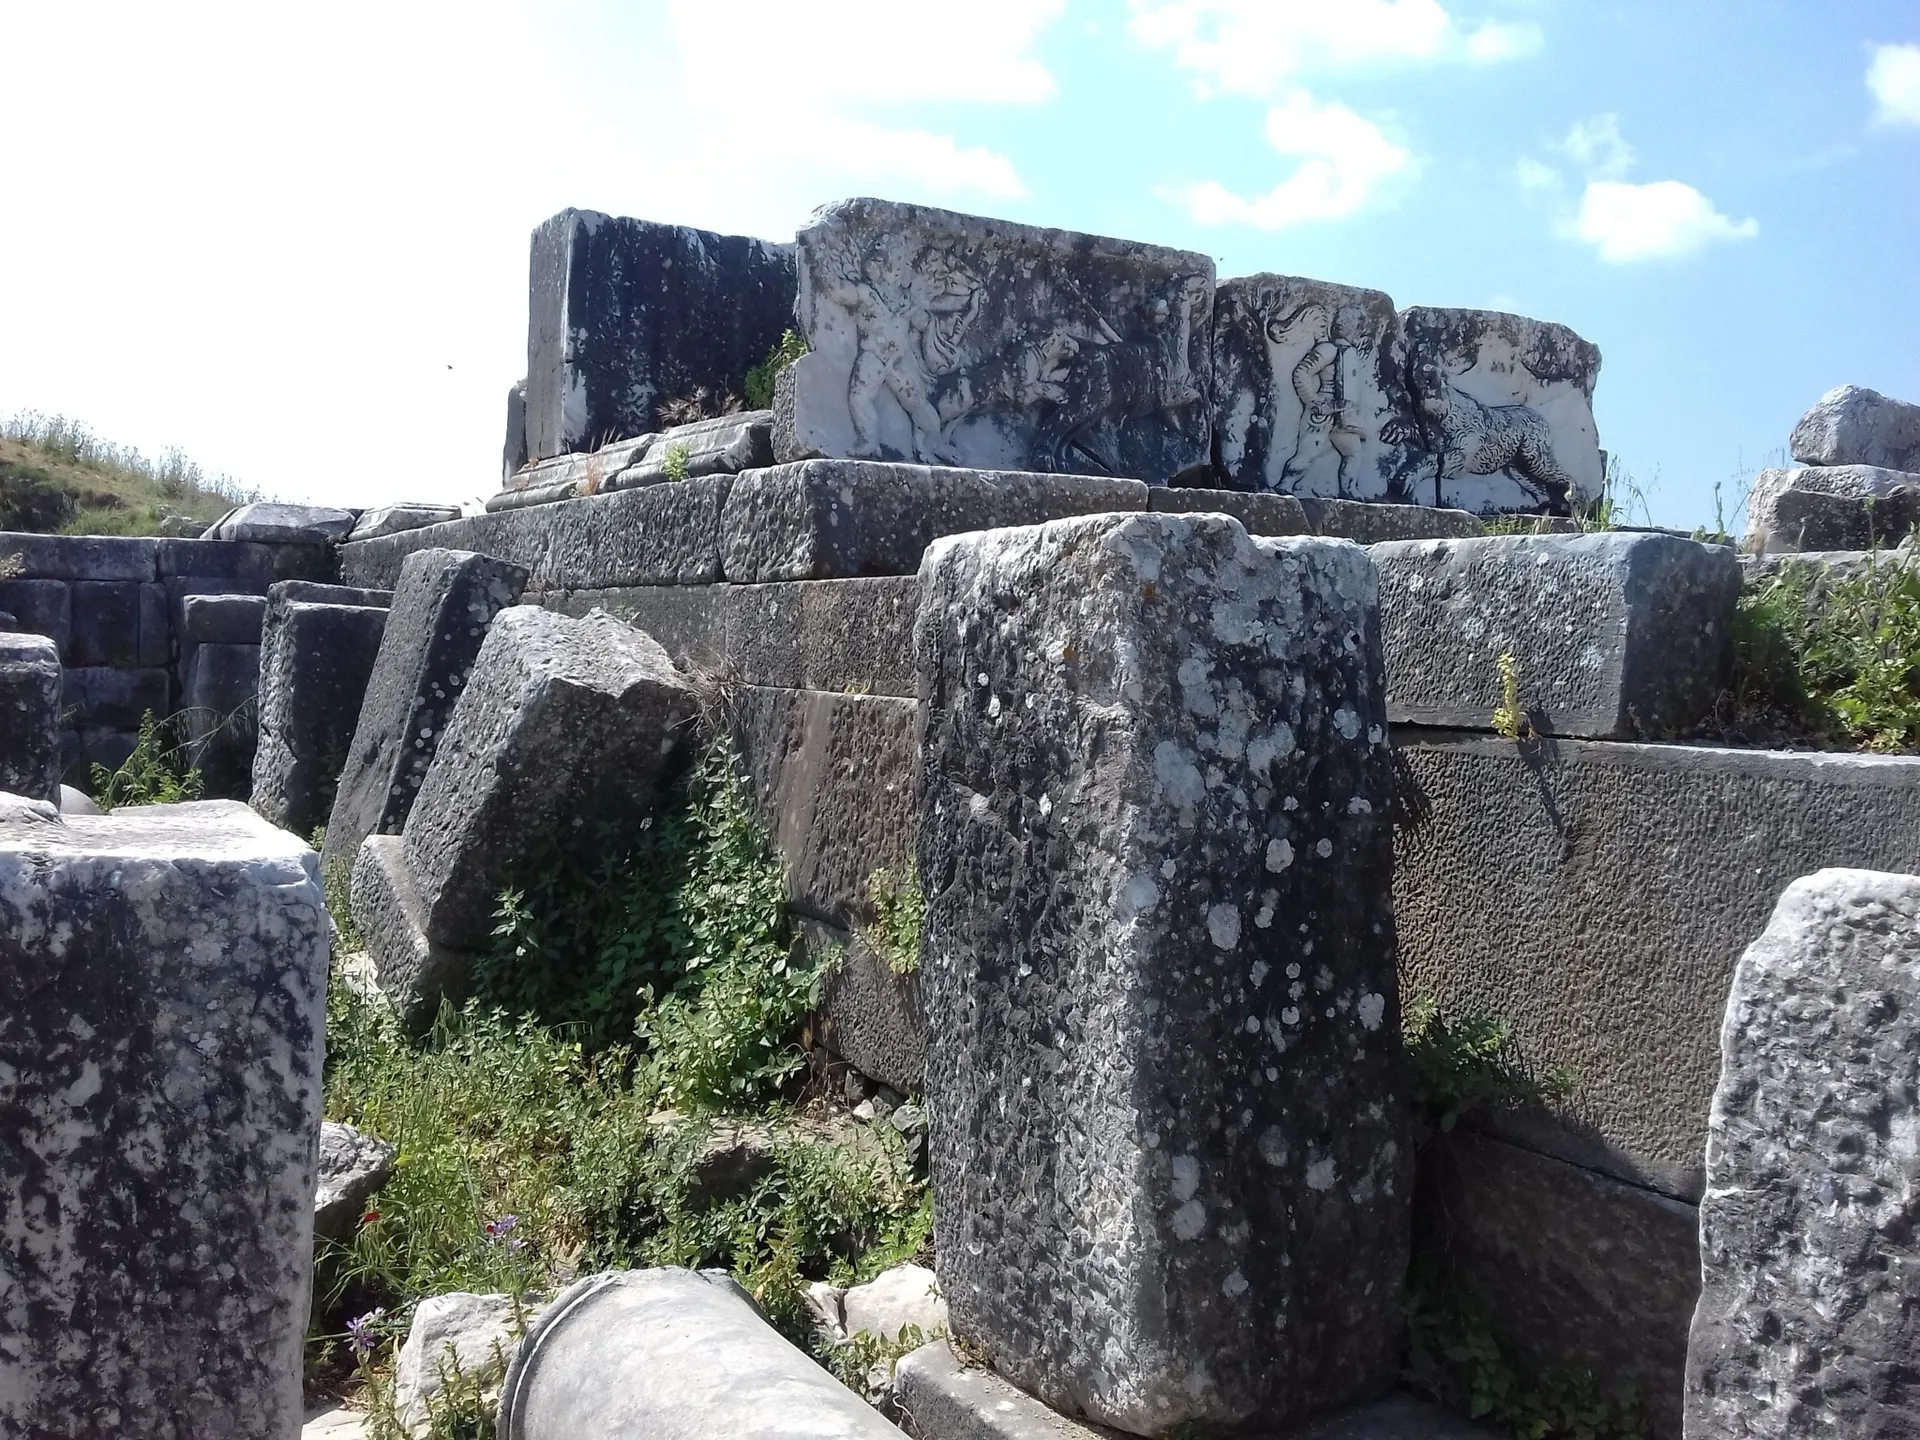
x=313 y=593
x=30 y=689
x=1809 y=1315
x=442 y=606
x=1610 y=635
x=833 y=783
x=1366 y=524
x=219 y=699
x=1840 y=507
x=669 y=534
x=392 y=519
x=1598 y=895
x=272 y=523
x=870 y=1016
x=41 y=607
x=558 y=715
x=106 y=624
x=315 y=660
x=945 y=339
x=1581 y=1273
x=1260 y=514
x=163 y=972
x=566 y=477
x=1163 y=1067
x=255 y=566
x=688 y=620
x=103 y=698
x=1852 y=425
x=835 y=519
x=724 y=445
x=625 y=315
x=353 y=1166
x=104 y=746
x=83 y=557
x=852 y=635
x=415 y=974
x=222 y=619
x=513 y=453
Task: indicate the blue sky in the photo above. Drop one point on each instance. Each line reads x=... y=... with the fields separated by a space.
x=294 y=243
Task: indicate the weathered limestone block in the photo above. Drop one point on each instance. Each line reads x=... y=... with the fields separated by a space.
x=219 y=699
x=1809 y=1317
x=1836 y=507
x=1168 y=1134
x=1261 y=514
x=513 y=451
x=833 y=519
x=442 y=605
x=1504 y=407
x=1367 y=524
x=563 y=477
x=1610 y=635
x=413 y=972
x=852 y=635
x=315 y=659
x=83 y=557
x=353 y=1165
x=30 y=687
x=40 y=607
x=392 y=519
x=270 y=522
x=869 y=1016
x=1310 y=390
x=252 y=567
x=723 y=445
x=163 y=977
x=625 y=315
x=222 y=619
x=119 y=623
x=884 y=1307
x=478 y=1333
x=1852 y=425
x=949 y=339
x=107 y=699
x=558 y=716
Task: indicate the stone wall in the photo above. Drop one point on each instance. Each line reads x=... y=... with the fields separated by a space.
x=118 y=609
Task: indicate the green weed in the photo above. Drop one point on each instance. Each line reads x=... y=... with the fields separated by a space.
x=899 y=909
x=761 y=378
x=1509 y=720
x=336 y=883
x=674 y=465
x=1456 y=1067
x=156 y=773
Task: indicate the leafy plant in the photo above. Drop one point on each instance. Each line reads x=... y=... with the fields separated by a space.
x=856 y=1359
x=336 y=884
x=1509 y=720
x=156 y=773
x=899 y=910
x=762 y=377
x=674 y=466
x=1469 y=1064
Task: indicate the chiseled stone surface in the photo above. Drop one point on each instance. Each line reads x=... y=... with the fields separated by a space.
x=1262 y=514
x=315 y=659
x=948 y=339
x=222 y=619
x=102 y=698
x=442 y=605
x=41 y=607
x=276 y=524
x=1164 y=1087
x=1831 y=507
x=1809 y=1316
x=392 y=519
x=30 y=686
x=1852 y=425
x=353 y=1165
x=1611 y=635
x=833 y=519
x=1598 y=896
x=413 y=973
x=721 y=445
x=1370 y=524
x=218 y=699
x=557 y=716
x=870 y=1017
x=163 y=978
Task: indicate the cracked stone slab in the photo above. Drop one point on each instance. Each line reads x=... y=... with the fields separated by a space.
x=412 y=972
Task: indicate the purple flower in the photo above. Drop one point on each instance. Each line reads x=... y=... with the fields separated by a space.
x=363 y=1331
x=497 y=1230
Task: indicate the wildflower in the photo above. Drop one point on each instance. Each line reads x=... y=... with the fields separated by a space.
x=498 y=1230
x=363 y=1331
x=369 y=1217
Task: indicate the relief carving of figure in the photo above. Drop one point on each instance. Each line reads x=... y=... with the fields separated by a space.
x=892 y=350
x=1323 y=380
x=1470 y=437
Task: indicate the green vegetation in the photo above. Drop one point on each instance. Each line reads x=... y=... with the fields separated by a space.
x=674 y=465
x=1469 y=1063
x=1828 y=661
x=156 y=773
x=898 y=910
x=57 y=476
x=761 y=378
x=1509 y=720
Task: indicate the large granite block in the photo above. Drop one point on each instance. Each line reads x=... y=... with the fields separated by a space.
x=1837 y=507
x=1809 y=1315
x=82 y=557
x=834 y=519
x=624 y=315
x=30 y=688
x=1168 y=1133
x=1310 y=390
x=949 y=339
x=1504 y=409
x=1852 y=425
x=270 y=522
x=871 y=1016
x=315 y=661
x=442 y=606
x=222 y=619
x=163 y=976
x=1598 y=895
x=557 y=717
x=393 y=519
x=115 y=699
x=1609 y=635
x=255 y=565
x=42 y=607
x=415 y=974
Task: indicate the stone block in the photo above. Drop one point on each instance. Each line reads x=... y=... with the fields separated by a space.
x=106 y=623
x=30 y=688
x=1838 y=507
x=870 y=1017
x=1367 y=524
x=102 y=698
x=315 y=661
x=834 y=519
x=414 y=973
x=1261 y=514
x=854 y=636
x=101 y=745
x=219 y=708
x=315 y=593
x=1610 y=635
x=82 y=557
x=256 y=566
x=667 y=534
x=832 y=778
x=392 y=519
x=1310 y=390
x=625 y=315
x=222 y=619
x=1164 y=1085
x=1580 y=1272
x=478 y=1334
x=353 y=1165
x=513 y=452
x=1598 y=895
x=1852 y=425
x=1504 y=407
x=269 y=522
x=565 y=477
x=442 y=606
x=723 y=445
x=558 y=716
x=163 y=974
x=1809 y=1314
x=948 y=339
x=40 y=607
x=688 y=620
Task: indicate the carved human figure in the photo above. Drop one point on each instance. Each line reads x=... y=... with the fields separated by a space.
x=1470 y=437
x=888 y=359
x=1312 y=378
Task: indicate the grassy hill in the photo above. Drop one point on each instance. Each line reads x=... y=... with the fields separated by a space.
x=58 y=478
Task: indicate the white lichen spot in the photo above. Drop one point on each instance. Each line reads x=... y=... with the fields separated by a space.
x=1293 y=971
x=1223 y=926
x=1046 y=806
x=1140 y=896
x=1190 y=1220
x=1375 y=735
x=978 y=806
x=1323 y=848
x=1290 y=1016
x=1273 y=1143
x=1279 y=855
x=1259 y=971
x=1347 y=723
x=1168 y=869
x=1290 y=804
x=1359 y=805
x=1234 y=1286
x=1373 y=1009
x=993 y=708
x=1321 y=1174
x=1186 y=1177
x=1253 y=1025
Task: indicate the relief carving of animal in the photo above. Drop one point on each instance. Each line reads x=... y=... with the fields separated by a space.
x=1470 y=437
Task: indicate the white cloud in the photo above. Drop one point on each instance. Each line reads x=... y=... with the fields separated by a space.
x=1343 y=159
x=1893 y=75
x=1659 y=220
x=1252 y=47
x=1533 y=175
x=1596 y=146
